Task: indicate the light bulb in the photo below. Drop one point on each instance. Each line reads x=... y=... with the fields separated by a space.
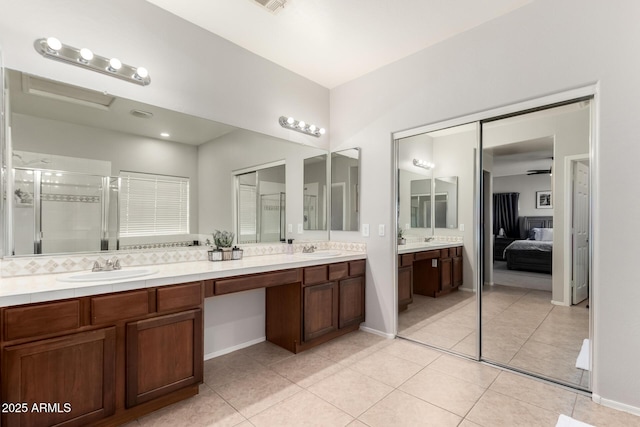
x=114 y=64
x=312 y=128
x=301 y=124
x=290 y=120
x=54 y=44
x=165 y=134
x=141 y=72
x=85 y=55
x=322 y=131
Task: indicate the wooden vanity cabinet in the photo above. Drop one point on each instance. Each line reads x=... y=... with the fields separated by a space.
x=405 y=281
x=327 y=303
x=112 y=358
x=429 y=273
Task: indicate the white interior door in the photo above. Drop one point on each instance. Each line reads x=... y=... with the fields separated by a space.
x=580 y=232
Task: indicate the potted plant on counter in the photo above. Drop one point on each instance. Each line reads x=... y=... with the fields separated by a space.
x=401 y=239
x=223 y=241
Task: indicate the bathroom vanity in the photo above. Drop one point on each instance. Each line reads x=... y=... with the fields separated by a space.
x=428 y=269
x=110 y=357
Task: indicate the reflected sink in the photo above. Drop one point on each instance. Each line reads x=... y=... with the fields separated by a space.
x=321 y=254
x=96 y=276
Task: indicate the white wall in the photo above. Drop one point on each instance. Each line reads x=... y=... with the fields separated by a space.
x=526 y=185
x=543 y=48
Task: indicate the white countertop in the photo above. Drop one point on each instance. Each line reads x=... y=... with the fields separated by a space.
x=426 y=246
x=47 y=287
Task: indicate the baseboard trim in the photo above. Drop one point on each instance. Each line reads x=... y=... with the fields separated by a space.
x=234 y=348
x=615 y=405
x=559 y=303
x=377 y=332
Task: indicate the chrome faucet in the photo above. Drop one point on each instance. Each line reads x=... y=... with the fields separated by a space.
x=109 y=265
x=308 y=249
x=428 y=239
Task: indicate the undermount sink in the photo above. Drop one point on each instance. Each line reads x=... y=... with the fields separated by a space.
x=96 y=276
x=321 y=254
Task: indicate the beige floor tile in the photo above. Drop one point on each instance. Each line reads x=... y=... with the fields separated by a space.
x=351 y=391
x=403 y=410
x=447 y=392
x=441 y=341
x=343 y=351
x=448 y=329
x=467 y=423
x=266 y=353
x=591 y=413
x=535 y=392
x=306 y=368
x=302 y=409
x=548 y=360
x=386 y=368
x=253 y=394
x=411 y=351
x=229 y=368
x=356 y=423
x=497 y=410
x=204 y=409
x=561 y=335
x=466 y=370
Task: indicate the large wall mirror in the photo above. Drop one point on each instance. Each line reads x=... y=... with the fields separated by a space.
x=345 y=188
x=84 y=167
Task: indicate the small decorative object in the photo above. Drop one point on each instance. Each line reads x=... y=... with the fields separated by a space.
x=223 y=241
x=543 y=200
x=236 y=253
x=215 y=255
x=401 y=239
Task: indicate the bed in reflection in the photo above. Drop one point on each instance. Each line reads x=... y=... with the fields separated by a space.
x=534 y=250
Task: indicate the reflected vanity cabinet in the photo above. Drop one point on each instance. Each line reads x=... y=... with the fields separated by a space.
x=329 y=302
x=430 y=273
x=101 y=360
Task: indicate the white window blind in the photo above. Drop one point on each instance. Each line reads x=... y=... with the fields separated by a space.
x=248 y=220
x=152 y=205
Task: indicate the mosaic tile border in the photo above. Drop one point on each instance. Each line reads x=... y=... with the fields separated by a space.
x=27 y=266
x=442 y=239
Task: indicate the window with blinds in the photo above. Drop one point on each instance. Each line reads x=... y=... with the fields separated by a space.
x=152 y=205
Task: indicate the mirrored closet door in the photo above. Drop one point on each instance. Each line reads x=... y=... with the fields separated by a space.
x=504 y=202
x=436 y=280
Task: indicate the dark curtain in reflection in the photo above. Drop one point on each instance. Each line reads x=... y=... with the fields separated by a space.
x=505 y=214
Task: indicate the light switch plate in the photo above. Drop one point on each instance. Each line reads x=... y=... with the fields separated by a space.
x=365 y=230
x=300 y=229
x=461 y=227
x=380 y=230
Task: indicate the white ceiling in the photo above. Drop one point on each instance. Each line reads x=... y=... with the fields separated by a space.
x=334 y=41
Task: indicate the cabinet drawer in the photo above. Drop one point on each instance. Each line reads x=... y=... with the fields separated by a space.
x=255 y=281
x=406 y=260
x=180 y=296
x=319 y=274
x=31 y=321
x=338 y=271
x=458 y=250
x=120 y=306
x=427 y=255
x=356 y=268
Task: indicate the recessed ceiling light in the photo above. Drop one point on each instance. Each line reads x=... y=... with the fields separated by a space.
x=165 y=134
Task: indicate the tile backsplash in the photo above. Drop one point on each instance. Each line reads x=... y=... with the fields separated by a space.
x=48 y=264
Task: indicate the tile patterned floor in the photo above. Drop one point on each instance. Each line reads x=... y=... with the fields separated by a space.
x=521 y=328
x=365 y=380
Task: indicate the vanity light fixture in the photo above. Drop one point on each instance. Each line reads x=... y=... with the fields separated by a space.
x=301 y=126
x=53 y=48
x=165 y=134
x=423 y=164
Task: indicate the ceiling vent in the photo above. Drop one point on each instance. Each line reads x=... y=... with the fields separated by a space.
x=51 y=89
x=273 y=6
x=141 y=114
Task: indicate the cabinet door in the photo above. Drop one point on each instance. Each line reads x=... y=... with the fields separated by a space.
x=320 y=310
x=446 y=273
x=163 y=354
x=351 y=301
x=73 y=374
x=457 y=271
x=405 y=293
